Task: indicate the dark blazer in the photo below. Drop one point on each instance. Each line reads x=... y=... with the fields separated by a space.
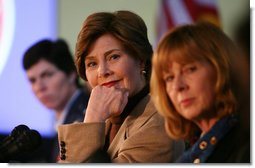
x=233 y=148
x=226 y=142
x=75 y=114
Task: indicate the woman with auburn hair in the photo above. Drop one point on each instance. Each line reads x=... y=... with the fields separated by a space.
x=121 y=124
x=192 y=87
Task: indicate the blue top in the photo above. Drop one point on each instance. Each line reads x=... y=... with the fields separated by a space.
x=205 y=146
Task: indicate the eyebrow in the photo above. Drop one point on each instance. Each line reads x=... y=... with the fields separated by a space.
x=45 y=71
x=105 y=54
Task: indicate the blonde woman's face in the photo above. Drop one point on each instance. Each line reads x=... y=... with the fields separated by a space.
x=191 y=88
x=107 y=64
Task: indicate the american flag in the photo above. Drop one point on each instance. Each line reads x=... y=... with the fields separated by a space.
x=177 y=12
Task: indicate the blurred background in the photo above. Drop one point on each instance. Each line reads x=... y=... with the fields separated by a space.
x=22 y=23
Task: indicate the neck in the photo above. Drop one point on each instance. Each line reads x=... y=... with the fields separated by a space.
x=206 y=124
x=58 y=114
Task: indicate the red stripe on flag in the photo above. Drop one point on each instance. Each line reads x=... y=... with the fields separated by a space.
x=195 y=9
x=198 y=10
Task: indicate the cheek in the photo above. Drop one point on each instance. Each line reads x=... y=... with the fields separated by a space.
x=56 y=87
x=91 y=79
x=169 y=92
x=129 y=84
x=207 y=94
x=209 y=86
x=34 y=88
x=131 y=78
x=209 y=98
x=36 y=92
x=173 y=98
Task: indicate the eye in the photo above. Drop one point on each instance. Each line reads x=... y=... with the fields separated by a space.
x=114 y=57
x=169 y=78
x=190 y=69
x=91 y=64
x=32 y=80
x=47 y=74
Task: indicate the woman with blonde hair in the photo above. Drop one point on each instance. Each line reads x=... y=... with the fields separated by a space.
x=192 y=87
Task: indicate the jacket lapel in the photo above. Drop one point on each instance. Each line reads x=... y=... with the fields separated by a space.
x=133 y=122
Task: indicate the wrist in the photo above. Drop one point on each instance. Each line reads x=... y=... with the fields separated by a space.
x=92 y=116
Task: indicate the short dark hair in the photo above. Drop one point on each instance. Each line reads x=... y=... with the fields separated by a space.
x=55 y=52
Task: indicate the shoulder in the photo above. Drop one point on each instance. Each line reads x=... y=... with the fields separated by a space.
x=83 y=96
x=80 y=102
x=233 y=148
x=77 y=108
x=145 y=109
x=144 y=115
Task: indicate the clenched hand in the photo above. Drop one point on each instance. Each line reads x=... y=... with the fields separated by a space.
x=105 y=102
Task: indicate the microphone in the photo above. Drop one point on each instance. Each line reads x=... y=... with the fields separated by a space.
x=14 y=134
x=27 y=141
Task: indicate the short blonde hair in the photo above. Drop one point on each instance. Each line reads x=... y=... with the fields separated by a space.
x=202 y=42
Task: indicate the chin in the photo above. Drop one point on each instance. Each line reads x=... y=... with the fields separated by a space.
x=49 y=106
x=190 y=115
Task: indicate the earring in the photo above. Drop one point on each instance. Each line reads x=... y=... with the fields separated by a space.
x=143 y=72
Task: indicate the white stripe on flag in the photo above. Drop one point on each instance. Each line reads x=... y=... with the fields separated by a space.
x=178 y=12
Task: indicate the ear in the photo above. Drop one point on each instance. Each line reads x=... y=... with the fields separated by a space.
x=142 y=65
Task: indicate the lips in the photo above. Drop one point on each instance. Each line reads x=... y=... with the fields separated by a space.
x=48 y=102
x=45 y=98
x=110 y=84
x=187 y=102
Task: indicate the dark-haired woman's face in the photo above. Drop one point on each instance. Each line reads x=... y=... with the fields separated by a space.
x=107 y=64
x=51 y=85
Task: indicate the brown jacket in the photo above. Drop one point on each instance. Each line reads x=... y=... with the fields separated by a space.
x=141 y=138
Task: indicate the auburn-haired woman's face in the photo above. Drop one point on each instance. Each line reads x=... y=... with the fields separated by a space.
x=191 y=88
x=109 y=65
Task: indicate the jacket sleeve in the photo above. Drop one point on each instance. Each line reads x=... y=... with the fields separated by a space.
x=79 y=141
x=149 y=144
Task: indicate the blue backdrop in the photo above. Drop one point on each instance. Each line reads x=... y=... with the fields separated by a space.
x=23 y=23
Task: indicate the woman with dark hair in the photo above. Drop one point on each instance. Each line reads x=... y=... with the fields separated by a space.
x=114 y=54
x=192 y=81
x=50 y=69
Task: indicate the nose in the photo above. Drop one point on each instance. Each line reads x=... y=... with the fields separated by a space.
x=179 y=84
x=104 y=70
